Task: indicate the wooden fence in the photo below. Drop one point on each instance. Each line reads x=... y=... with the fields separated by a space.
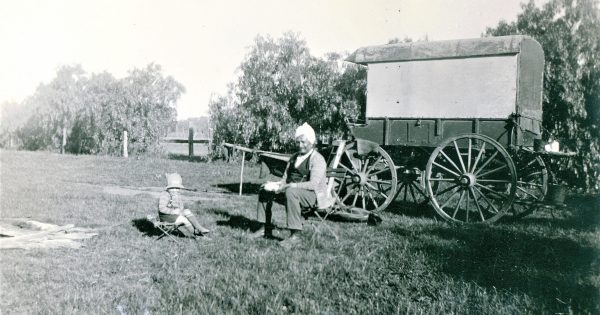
x=190 y=141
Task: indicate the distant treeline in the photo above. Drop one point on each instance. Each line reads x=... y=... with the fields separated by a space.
x=94 y=110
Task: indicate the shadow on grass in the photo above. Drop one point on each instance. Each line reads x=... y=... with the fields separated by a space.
x=413 y=210
x=184 y=157
x=236 y=221
x=247 y=188
x=555 y=270
x=580 y=212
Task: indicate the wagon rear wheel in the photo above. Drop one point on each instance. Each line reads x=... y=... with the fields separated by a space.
x=471 y=178
x=370 y=182
x=532 y=185
x=411 y=187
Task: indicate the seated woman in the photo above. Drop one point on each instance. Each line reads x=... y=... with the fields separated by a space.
x=171 y=208
x=304 y=185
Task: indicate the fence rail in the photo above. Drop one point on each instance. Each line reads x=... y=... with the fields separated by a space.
x=171 y=140
x=190 y=141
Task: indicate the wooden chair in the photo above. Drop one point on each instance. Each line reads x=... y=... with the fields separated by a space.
x=333 y=173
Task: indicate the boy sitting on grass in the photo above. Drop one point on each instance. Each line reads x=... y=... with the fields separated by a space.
x=171 y=208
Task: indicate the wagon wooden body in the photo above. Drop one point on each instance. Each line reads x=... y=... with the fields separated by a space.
x=452 y=123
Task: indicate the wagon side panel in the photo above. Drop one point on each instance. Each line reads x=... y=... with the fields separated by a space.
x=443 y=88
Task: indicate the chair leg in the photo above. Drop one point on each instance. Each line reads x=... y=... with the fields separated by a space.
x=326 y=225
x=165 y=233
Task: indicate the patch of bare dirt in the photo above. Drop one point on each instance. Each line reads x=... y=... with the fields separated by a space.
x=28 y=234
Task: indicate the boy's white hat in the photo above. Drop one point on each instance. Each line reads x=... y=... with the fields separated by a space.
x=174 y=181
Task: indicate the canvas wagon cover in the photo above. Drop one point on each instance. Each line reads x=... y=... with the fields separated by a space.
x=489 y=77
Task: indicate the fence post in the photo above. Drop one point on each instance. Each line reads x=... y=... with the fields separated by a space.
x=64 y=140
x=210 y=143
x=125 y=153
x=242 y=171
x=191 y=142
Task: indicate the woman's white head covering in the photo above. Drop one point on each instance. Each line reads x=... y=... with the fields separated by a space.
x=307 y=131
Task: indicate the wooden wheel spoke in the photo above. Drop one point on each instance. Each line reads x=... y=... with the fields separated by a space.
x=492 y=191
x=491 y=171
x=476 y=203
x=436 y=179
x=478 y=157
x=494 y=181
x=530 y=162
x=355 y=199
x=450 y=199
x=362 y=197
x=365 y=166
x=379 y=171
x=446 y=190
x=529 y=184
x=412 y=193
x=376 y=161
x=490 y=159
x=419 y=189
x=349 y=193
x=445 y=169
x=347 y=169
x=486 y=199
x=469 y=156
x=378 y=181
x=451 y=162
x=464 y=170
x=462 y=195
x=373 y=199
x=467 y=209
x=377 y=190
x=527 y=192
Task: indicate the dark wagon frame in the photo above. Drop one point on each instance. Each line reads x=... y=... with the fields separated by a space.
x=452 y=123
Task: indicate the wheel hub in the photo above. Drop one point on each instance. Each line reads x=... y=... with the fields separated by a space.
x=359 y=178
x=467 y=180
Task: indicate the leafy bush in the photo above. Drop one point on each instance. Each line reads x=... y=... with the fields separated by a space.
x=281 y=86
x=569 y=32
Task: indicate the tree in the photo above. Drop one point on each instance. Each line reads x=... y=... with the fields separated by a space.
x=569 y=32
x=54 y=106
x=149 y=100
x=95 y=110
x=281 y=86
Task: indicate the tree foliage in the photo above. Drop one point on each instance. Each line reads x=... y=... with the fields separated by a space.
x=95 y=110
x=569 y=32
x=280 y=86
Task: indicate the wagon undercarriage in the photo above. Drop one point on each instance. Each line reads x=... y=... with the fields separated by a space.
x=467 y=178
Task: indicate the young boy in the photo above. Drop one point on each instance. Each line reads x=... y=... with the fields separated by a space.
x=171 y=209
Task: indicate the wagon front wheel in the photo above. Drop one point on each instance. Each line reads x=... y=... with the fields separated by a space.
x=532 y=185
x=471 y=178
x=370 y=181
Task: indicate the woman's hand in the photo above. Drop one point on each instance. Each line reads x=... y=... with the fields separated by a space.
x=283 y=187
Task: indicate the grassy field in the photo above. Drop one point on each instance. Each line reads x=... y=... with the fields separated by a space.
x=411 y=263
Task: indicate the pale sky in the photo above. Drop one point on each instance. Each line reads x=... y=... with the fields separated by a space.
x=202 y=43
